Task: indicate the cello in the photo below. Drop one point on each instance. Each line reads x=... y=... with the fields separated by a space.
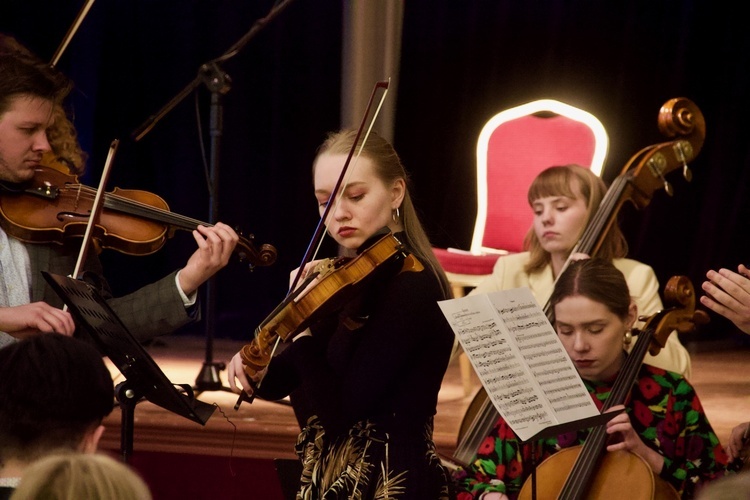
x=642 y=176
x=588 y=470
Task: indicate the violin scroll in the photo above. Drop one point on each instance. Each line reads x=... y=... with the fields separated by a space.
x=247 y=252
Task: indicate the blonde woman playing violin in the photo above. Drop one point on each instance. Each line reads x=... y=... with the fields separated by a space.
x=365 y=379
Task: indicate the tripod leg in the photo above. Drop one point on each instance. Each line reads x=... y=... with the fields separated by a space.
x=127 y=399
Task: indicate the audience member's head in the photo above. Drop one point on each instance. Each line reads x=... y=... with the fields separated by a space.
x=54 y=393
x=75 y=476
x=732 y=487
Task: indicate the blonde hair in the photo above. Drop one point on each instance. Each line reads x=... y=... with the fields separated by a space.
x=74 y=476
x=561 y=181
x=388 y=168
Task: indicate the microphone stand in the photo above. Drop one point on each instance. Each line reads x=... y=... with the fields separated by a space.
x=218 y=83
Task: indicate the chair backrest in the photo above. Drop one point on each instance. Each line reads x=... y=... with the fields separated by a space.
x=513 y=147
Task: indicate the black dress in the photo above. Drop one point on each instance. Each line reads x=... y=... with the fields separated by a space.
x=366 y=383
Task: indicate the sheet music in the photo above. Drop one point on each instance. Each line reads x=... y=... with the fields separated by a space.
x=520 y=360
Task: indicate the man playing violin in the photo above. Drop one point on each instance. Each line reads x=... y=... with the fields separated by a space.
x=31 y=95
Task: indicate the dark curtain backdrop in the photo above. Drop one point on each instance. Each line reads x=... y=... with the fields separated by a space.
x=131 y=57
x=462 y=62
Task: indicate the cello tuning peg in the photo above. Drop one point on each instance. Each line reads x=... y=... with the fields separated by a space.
x=668 y=188
x=701 y=317
x=687 y=173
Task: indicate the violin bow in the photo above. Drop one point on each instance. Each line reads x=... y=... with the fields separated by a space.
x=71 y=32
x=98 y=200
x=96 y=208
x=317 y=238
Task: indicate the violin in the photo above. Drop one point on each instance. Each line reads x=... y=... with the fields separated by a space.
x=55 y=207
x=338 y=280
x=588 y=470
x=641 y=177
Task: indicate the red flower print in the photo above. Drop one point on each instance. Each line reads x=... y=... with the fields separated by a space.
x=649 y=388
x=671 y=426
x=505 y=432
x=642 y=413
x=500 y=472
x=696 y=404
x=567 y=439
x=679 y=447
x=658 y=371
x=487 y=446
x=720 y=454
x=695 y=446
x=514 y=469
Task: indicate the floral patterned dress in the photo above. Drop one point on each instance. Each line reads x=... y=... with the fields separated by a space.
x=664 y=410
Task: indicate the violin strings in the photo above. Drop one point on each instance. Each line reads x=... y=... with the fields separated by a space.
x=135 y=207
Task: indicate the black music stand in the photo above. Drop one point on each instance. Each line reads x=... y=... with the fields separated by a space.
x=144 y=378
x=556 y=430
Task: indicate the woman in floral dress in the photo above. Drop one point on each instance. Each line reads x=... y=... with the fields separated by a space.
x=664 y=422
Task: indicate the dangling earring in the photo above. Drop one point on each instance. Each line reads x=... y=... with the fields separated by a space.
x=628 y=337
x=395 y=215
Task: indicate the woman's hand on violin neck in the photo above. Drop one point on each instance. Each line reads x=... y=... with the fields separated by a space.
x=309 y=269
x=215 y=247
x=235 y=372
x=31 y=319
x=624 y=437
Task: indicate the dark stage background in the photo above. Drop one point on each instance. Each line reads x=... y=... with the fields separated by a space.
x=461 y=63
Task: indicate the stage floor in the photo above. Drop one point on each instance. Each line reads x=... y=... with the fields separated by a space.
x=267 y=430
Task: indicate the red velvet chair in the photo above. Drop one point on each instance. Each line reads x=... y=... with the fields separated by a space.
x=513 y=147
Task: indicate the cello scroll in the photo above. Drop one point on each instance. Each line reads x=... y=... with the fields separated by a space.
x=679 y=314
